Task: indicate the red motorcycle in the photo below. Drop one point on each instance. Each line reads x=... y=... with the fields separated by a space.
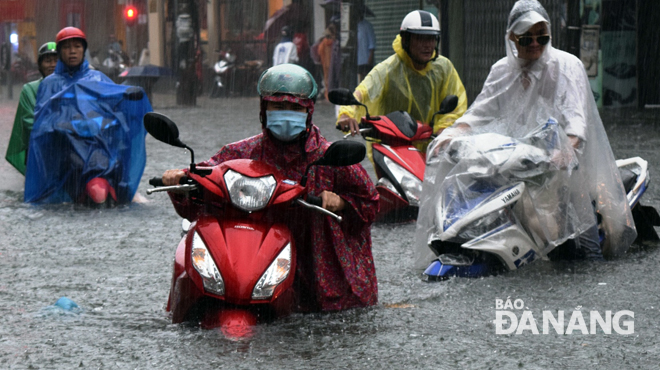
x=398 y=164
x=237 y=259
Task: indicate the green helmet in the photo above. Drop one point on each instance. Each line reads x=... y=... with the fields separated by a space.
x=287 y=79
x=45 y=49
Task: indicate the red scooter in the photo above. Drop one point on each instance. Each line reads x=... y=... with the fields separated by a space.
x=237 y=259
x=399 y=165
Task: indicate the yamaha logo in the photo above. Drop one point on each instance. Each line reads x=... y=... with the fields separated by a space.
x=511 y=195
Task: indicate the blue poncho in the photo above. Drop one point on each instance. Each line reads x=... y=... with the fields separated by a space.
x=88 y=128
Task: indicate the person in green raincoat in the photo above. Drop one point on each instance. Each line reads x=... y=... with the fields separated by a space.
x=24 y=119
x=415 y=79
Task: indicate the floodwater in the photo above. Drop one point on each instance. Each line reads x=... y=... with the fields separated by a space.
x=116 y=265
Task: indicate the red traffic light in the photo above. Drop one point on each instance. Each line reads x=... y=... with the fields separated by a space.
x=130 y=15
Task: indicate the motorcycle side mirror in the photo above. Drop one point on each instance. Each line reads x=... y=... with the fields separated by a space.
x=339 y=153
x=448 y=104
x=163 y=129
x=343 y=96
x=342 y=153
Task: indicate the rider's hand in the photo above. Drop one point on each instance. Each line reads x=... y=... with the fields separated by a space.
x=566 y=159
x=172 y=177
x=575 y=141
x=447 y=135
x=331 y=201
x=349 y=124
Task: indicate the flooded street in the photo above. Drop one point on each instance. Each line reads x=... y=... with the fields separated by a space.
x=116 y=264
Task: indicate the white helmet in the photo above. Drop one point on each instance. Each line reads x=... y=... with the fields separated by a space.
x=421 y=22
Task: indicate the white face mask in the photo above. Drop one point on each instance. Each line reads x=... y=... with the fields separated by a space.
x=286 y=125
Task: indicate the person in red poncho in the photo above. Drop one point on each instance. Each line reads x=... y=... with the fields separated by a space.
x=335 y=267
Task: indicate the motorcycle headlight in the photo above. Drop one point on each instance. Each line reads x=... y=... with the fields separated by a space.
x=486 y=224
x=249 y=193
x=203 y=263
x=412 y=186
x=386 y=183
x=276 y=273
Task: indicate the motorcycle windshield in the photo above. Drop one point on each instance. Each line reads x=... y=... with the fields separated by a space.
x=90 y=129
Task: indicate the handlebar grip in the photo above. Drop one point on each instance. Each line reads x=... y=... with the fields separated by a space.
x=314 y=200
x=156 y=181
x=134 y=93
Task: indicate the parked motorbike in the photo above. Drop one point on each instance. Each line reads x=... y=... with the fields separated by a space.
x=477 y=231
x=224 y=75
x=398 y=164
x=236 y=262
x=114 y=65
x=23 y=70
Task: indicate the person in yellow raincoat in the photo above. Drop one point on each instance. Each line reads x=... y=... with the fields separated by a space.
x=415 y=79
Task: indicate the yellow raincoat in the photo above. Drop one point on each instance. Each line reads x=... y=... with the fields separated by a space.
x=395 y=84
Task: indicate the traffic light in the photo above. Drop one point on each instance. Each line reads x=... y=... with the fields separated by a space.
x=130 y=15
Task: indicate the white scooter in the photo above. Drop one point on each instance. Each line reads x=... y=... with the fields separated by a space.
x=477 y=231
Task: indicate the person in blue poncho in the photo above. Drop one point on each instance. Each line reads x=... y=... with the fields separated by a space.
x=87 y=144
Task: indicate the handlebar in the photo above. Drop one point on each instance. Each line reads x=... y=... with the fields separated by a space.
x=363 y=129
x=156 y=181
x=315 y=203
x=160 y=186
x=314 y=200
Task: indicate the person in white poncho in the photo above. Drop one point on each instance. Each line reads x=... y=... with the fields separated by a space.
x=532 y=84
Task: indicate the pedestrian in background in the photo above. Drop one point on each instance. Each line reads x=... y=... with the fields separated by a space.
x=322 y=51
x=286 y=51
x=366 y=43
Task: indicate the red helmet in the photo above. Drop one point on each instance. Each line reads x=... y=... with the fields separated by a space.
x=67 y=33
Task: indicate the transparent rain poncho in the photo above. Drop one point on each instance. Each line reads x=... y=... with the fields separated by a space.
x=517 y=98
